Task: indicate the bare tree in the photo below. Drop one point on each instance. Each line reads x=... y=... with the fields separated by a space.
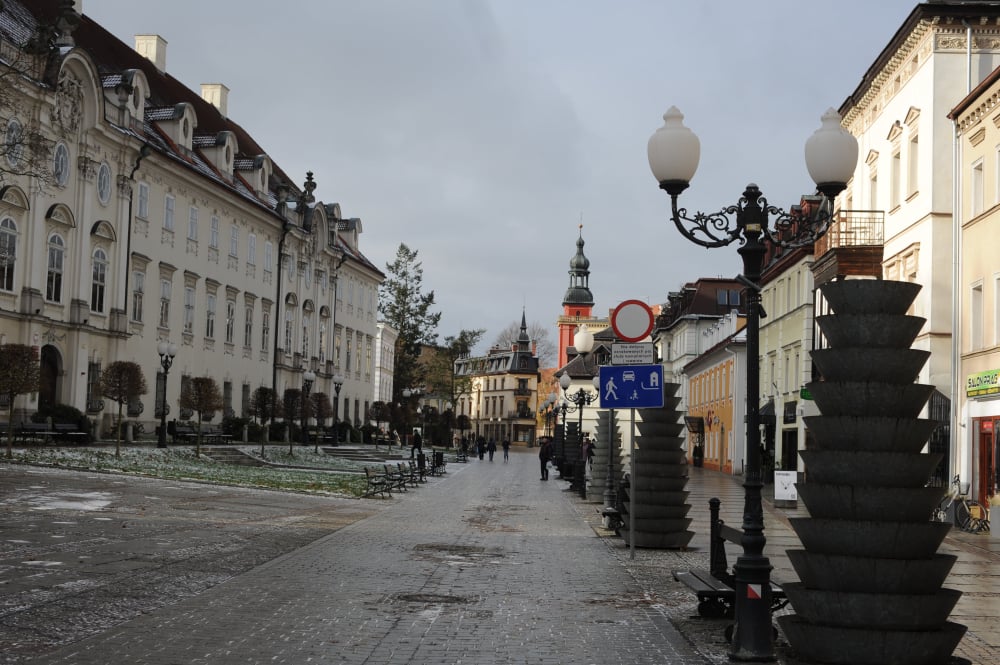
x=20 y=375
x=201 y=395
x=122 y=381
x=545 y=349
x=25 y=148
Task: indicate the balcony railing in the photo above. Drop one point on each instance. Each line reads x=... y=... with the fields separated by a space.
x=853 y=228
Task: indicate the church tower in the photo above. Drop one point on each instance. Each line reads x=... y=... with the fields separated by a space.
x=578 y=303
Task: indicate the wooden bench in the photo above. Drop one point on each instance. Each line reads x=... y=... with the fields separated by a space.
x=376 y=483
x=714 y=587
x=417 y=472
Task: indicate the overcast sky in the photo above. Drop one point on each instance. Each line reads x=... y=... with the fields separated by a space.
x=481 y=132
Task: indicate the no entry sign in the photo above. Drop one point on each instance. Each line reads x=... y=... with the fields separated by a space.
x=632 y=321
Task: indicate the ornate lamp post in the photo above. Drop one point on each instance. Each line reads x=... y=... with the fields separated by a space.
x=831 y=156
x=579 y=399
x=167 y=352
x=307 y=384
x=338 y=383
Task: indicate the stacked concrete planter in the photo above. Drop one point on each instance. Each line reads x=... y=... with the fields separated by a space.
x=605 y=448
x=871 y=578
x=661 y=474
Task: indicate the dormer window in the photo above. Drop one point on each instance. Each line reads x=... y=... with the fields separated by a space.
x=185 y=130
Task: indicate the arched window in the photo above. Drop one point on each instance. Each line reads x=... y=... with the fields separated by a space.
x=99 y=280
x=53 y=281
x=306 y=324
x=8 y=253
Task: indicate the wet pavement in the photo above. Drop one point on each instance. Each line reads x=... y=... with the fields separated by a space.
x=485 y=564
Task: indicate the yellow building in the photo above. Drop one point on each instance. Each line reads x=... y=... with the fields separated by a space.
x=977 y=124
x=715 y=379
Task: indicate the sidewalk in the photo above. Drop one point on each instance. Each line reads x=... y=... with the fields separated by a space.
x=976 y=572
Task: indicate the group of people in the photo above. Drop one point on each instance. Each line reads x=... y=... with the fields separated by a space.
x=484 y=447
x=546 y=453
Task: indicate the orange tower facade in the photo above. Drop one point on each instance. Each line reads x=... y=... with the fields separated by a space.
x=578 y=303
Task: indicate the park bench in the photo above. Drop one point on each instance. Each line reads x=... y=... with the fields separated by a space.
x=376 y=483
x=714 y=587
x=409 y=473
x=397 y=479
x=188 y=433
x=69 y=432
x=31 y=430
x=417 y=472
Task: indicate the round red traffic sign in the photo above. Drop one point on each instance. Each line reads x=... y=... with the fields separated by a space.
x=632 y=321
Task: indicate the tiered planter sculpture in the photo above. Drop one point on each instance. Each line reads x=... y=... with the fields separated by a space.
x=605 y=448
x=870 y=590
x=661 y=473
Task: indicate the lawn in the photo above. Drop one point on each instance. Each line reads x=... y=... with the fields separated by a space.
x=302 y=471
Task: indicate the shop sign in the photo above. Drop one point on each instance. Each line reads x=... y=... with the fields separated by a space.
x=983 y=383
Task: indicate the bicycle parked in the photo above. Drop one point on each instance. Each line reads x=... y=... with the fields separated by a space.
x=969 y=514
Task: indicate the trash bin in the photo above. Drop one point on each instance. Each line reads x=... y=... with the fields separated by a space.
x=438 y=458
x=421 y=462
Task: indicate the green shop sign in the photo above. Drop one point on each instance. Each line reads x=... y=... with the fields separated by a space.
x=983 y=383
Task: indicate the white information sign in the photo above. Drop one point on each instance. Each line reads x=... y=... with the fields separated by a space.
x=784 y=486
x=642 y=353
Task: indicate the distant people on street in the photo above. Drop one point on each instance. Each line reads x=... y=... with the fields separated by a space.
x=465 y=446
x=544 y=455
x=417 y=446
x=506 y=450
x=481 y=445
x=588 y=450
x=491 y=447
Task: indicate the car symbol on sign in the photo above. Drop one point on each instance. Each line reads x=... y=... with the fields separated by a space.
x=628 y=375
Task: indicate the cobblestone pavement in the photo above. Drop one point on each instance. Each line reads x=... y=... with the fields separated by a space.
x=483 y=565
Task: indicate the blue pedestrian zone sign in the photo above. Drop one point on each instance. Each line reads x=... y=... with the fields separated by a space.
x=631 y=386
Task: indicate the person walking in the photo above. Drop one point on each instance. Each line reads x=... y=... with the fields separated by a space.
x=491 y=448
x=417 y=446
x=506 y=450
x=544 y=455
x=481 y=445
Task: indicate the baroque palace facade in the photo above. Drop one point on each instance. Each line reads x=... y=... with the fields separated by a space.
x=139 y=213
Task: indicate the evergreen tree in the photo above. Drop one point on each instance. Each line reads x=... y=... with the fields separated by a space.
x=404 y=306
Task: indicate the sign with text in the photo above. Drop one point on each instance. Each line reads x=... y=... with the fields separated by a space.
x=642 y=353
x=631 y=386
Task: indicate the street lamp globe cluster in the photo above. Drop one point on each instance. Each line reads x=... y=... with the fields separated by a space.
x=831 y=156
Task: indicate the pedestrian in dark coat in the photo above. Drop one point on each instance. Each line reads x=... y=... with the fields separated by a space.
x=544 y=455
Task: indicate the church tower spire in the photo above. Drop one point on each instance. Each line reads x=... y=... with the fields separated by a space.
x=578 y=303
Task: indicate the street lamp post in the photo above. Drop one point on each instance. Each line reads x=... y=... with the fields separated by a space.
x=831 y=156
x=579 y=399
x=338 y=383
x=167 y=352
x=307 y=384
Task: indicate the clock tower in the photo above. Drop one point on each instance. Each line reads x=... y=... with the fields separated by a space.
x=578 y=303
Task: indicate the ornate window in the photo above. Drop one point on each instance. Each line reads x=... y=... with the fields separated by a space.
x=104 y=183
x=54 y=277
x=188 y=309
x=60 y=164
x=234 y=241
x=13 y=142
x=251 y=249
x=230 y=321
x=138 y=289
x=99 y=280
x=210 y=316
x=193 y=223
x=248 y=326
x=8 y=253
x=168 y=213
x=165 y=292
x=265 y=330
x=268 y=256
x=213 y=238
x=143 y=207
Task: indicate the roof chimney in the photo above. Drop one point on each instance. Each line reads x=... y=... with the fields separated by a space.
x=216 y=94
x=153 y=48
